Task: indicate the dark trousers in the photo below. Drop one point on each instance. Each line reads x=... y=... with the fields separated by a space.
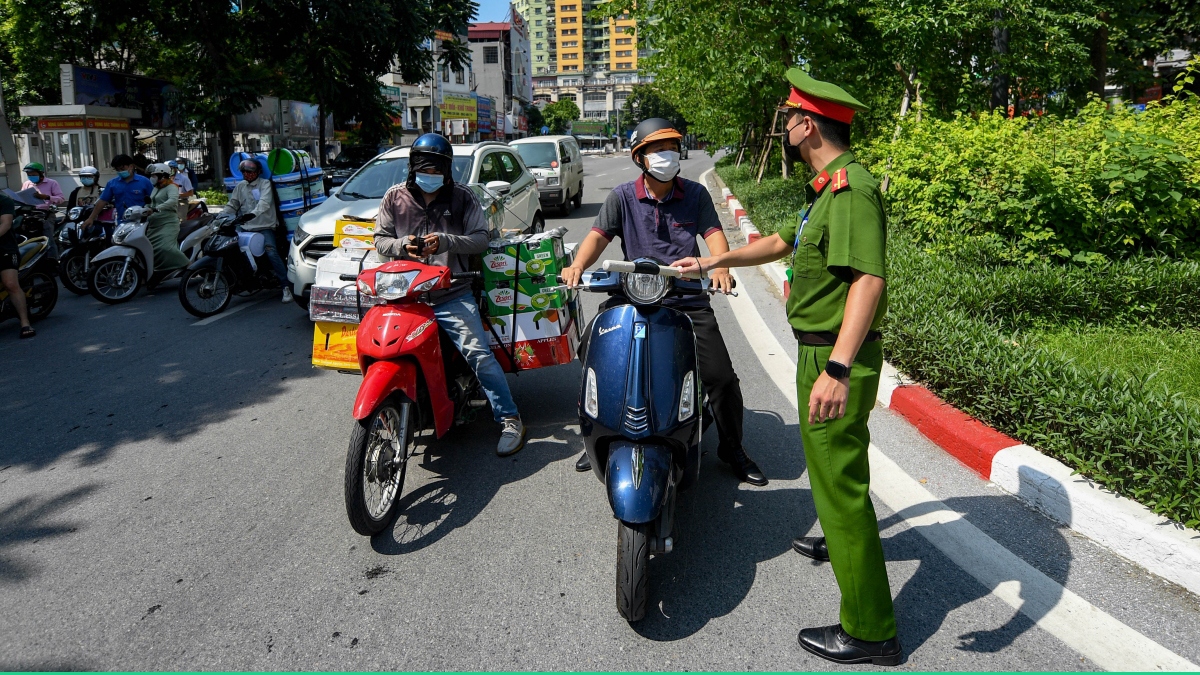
x=721 y=384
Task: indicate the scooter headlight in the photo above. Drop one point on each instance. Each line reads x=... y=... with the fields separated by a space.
x=591 y=401
x=687 y=397
x=645 y=289
x=122 y=232
x=73 y=214
x=394 y=285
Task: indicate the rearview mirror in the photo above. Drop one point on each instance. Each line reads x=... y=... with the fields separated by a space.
x=500 y=187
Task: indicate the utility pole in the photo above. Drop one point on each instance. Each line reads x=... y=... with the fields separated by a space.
x=8 y=149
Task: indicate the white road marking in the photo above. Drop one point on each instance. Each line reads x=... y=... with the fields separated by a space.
x=1080 y=625
x=228 y=312
x=601 y=175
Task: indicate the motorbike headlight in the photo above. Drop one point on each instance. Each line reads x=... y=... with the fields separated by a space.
x=591 y=401
x=394 y=285
x=551 y=180
x=73 y=214
x=645 y=289
x=687 y=397
x=122 y=232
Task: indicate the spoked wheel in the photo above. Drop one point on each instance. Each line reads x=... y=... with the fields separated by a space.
x=205 y=292
x=41 y=294
x=633 y=556
x=74 y=274
x=115 y=280
x=376 y=463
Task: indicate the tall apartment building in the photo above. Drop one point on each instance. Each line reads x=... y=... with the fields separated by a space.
x=591 y=62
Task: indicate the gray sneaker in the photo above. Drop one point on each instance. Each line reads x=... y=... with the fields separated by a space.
x=512 y=438
x=287 y=295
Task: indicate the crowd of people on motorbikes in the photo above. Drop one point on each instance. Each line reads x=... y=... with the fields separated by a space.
x=66 y=235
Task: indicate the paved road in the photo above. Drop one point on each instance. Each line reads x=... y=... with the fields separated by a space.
x=171 y=498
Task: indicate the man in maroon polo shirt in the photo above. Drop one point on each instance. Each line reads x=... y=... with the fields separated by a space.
x=659 y=215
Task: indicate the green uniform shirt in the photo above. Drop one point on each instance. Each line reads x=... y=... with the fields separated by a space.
x=845 y=230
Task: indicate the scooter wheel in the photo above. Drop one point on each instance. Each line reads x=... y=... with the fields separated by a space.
x=376 y=463
x=41 y=294
x=107 y=285
x=72 y=273
x=205 y=292
x=633 y=558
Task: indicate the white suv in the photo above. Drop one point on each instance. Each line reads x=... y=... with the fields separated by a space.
x=506 y=190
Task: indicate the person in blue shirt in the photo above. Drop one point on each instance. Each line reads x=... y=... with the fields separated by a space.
x=128 y=189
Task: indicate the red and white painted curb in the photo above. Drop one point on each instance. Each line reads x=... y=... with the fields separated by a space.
x=1115 y=522
x=750 y=232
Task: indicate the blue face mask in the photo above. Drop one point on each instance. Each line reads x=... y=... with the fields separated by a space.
x=87 y=181
x=34 y=179
x=430 y=182
x=123 y=174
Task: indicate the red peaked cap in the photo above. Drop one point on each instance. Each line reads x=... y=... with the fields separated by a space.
x=820 y=106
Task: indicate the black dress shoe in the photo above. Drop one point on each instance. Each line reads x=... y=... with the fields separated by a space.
x=811 y=547
x=584 y=464
x=743 y=466
x=833 y=644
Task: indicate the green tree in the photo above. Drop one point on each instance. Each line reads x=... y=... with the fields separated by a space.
x=533 y=115
x=560 y=114
x=645 y=102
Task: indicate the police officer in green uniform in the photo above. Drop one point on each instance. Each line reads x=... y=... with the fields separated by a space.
x=837 y=301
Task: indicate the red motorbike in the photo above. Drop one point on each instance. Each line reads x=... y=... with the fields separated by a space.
x=414 y=380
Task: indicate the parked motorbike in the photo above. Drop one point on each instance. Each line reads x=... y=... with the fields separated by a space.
x=77 y=248
x=641 y=412
x=36 y=274
x=120 y=270
x=414 y=379
x=233 y=264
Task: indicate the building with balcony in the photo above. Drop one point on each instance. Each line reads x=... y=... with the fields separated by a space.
x=501 y=56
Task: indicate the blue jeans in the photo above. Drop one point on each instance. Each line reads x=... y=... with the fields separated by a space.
x=272 y=254
x=460 y=319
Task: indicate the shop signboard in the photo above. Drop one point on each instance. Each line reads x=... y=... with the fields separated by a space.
x=483 y=109
x=50 y=124
x=91 y=86
x=456 y=106
x=581 y=128
x=107 y=123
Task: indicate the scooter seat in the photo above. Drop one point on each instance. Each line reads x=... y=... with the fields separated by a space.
x=187 y=227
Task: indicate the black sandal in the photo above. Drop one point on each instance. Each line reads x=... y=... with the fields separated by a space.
x=27 y=332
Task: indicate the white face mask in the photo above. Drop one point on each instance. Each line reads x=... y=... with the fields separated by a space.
x=663 y=165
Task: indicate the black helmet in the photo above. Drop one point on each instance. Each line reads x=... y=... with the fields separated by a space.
x=430 y=150
x=650 y=130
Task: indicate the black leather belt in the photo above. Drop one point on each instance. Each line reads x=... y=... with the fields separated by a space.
x=827 y=339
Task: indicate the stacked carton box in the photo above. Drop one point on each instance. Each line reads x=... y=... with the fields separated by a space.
x=532 y=320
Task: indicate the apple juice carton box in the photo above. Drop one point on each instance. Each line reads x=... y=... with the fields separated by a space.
x=533 y=339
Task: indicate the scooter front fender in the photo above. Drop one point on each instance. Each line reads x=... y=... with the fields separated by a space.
x=637 y=479
x=382 y=379
x=117 y=251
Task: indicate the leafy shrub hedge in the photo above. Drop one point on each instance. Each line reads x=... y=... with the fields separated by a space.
x=214 y=197
x=954 y=323
x=1105 y=183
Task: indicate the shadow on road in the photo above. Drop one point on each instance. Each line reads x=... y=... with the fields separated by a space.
x=97 y=376
x=29 y=520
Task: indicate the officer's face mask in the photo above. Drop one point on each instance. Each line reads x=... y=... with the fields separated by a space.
x=429 y=182
x=663 y=165
x=793 y=151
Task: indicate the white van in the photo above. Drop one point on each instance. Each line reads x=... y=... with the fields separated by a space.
x=556 y=163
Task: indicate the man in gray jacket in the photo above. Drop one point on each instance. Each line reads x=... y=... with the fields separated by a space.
x=432 y=219
x=255 y=194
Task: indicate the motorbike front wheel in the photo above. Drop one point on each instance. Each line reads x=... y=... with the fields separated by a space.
x=376 y=463
x=205 y=292
x=633 y=557
x=73 y=272
x=108 y=285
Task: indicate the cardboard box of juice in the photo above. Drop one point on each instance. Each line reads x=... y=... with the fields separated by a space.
x=535 y=255
x=334 y=345
x=354 y=233
x=330 y=298
x=538 y=339
x=505 y=300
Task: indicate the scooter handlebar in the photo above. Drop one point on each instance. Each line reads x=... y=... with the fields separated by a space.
x=641 y=268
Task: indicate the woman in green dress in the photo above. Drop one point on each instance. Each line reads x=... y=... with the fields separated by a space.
x=162 y=227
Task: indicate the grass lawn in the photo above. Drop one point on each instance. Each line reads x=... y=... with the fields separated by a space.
x=1172 y=356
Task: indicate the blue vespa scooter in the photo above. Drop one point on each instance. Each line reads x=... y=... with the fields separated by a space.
x=641 y=412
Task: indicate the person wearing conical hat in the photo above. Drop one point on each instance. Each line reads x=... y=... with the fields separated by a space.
x=837 y=301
